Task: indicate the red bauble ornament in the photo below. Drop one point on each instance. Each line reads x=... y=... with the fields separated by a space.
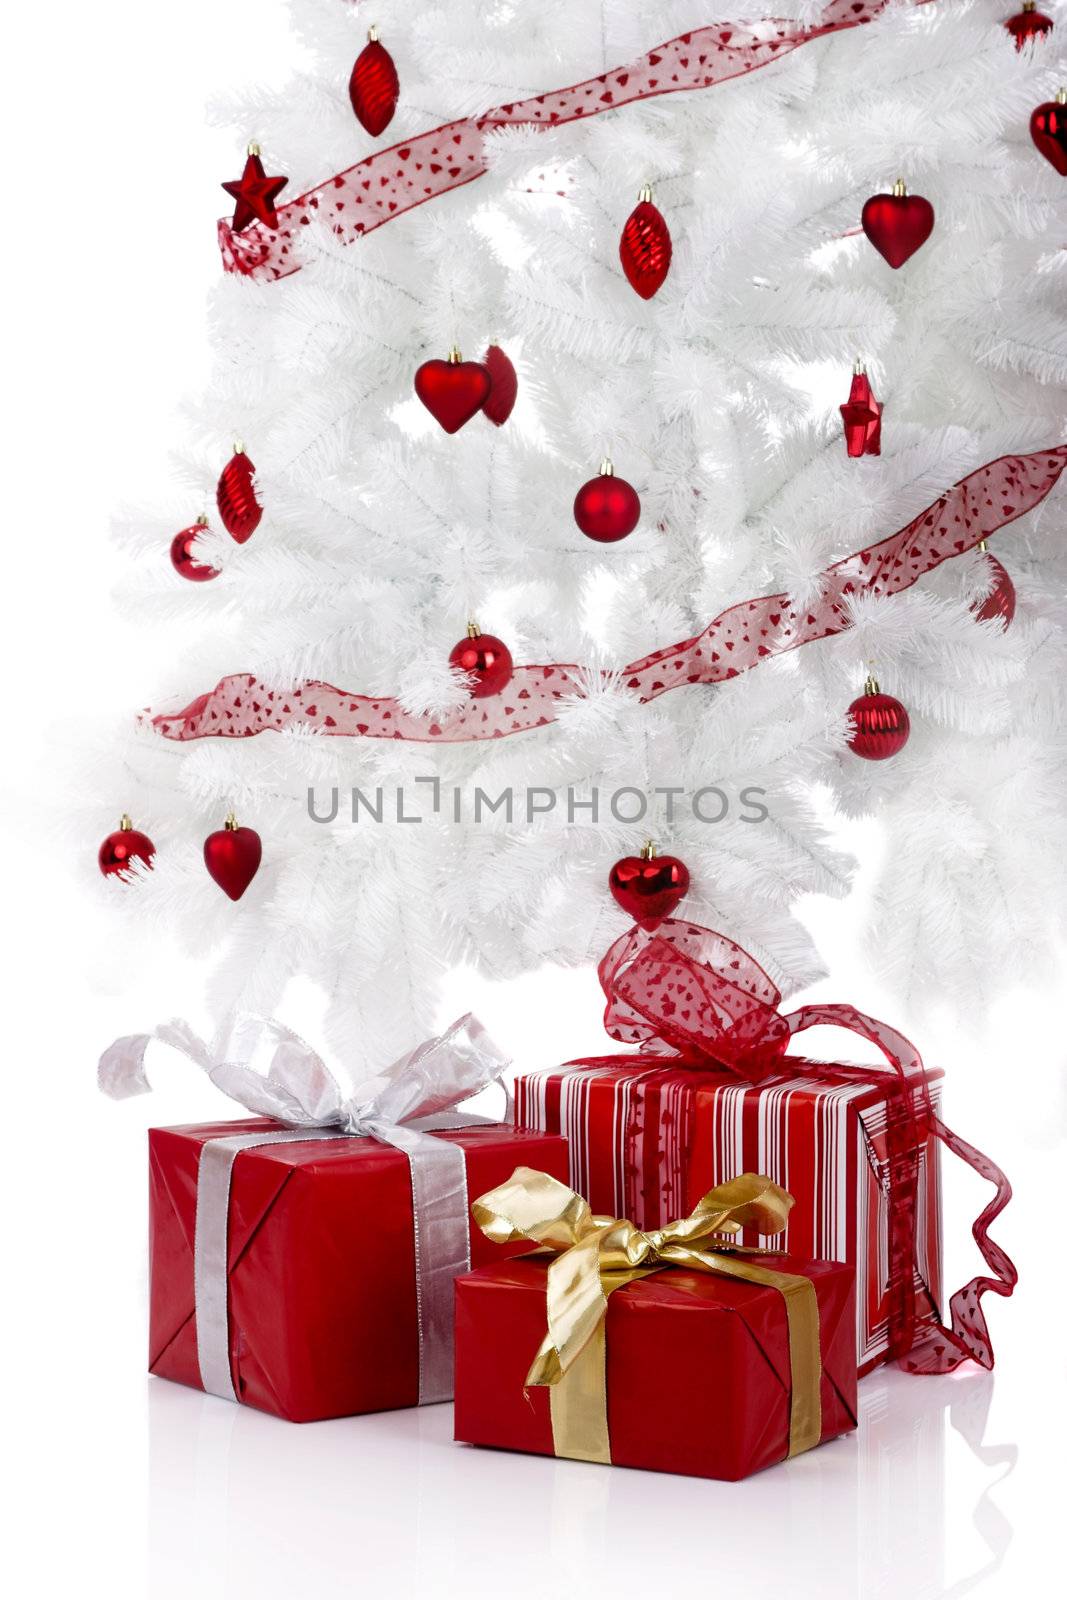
x=486 y=659
x=607 y=508
x=1048 y=130
x=183 y=557
x=255 y=194
x=862 y=417
x=1027 y=24
x=898 y=223
x=236 y=497
x=119 y=850
x=999 y=603
x=453 y=391
x=880 y=724
x=374 y=86
x=505 y=385
x=645 y=247
x=232 y=857
x=648 y=886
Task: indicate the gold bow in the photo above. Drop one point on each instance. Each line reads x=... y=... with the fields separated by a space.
x=596 y=1255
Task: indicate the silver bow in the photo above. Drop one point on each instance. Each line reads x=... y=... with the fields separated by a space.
x=400 y=1106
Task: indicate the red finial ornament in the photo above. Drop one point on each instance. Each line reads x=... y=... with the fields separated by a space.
x=232 y=857
x=1048 y=130
x=862 y=416
x=1028 y=24
x=236 y=496
x=645 y=247
x=880 y=724
x=999 y=603
x=486 y=659
x=122 y=848
x=453 y=391
x=648 y=887
x=374 y=87
x=505 y=385
x=183 y=555
x=255 y=194
x=898 y=223
x=607 y=508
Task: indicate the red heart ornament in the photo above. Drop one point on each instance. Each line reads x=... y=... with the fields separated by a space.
x=505 y=385
x=1048 y=130
x=897 y=224
x=453 y=391
x=648 y=887
x=232 y=857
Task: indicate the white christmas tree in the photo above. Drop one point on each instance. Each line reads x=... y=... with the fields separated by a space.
x=717 y=399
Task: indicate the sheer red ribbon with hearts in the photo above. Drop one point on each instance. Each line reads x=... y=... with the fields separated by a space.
x=697 y=999
x=390 y=182
x=243 y=704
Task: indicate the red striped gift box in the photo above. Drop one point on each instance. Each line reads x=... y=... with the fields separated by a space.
x=647 y=1141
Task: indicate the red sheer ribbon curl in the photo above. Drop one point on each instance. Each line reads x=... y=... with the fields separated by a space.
x=700 y=1000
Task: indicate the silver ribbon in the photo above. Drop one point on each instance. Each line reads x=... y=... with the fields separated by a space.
x=401 y=1106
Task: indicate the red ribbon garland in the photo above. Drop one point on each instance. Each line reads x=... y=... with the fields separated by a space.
x=390 y=182
x=989 y=498
x=694 y=998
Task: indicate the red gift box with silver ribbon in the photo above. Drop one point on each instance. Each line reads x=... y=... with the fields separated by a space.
x=303 y=1262
x=711 y=1093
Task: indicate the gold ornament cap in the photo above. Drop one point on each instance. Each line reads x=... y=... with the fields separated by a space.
x=645 y=195
x=871 y=686
x=373 y=34
x=648 y=850
x=454 y=357
x=1061 y=97
x=900 y=189
x=231 y=822
x=859 y=368
x=607 y=469
x=253 y=148
x=473 y=631
x=125 y=823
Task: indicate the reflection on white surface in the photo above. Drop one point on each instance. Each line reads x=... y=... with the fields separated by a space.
x=242 y=1504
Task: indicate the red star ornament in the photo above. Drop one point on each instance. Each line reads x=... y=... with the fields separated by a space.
x=255 y=194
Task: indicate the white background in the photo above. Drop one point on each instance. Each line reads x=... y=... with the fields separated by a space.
x=133 y=1487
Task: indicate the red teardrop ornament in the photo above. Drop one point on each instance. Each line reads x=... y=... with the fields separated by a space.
x=645 y=248
x=1027 y=24
x=648 y=887
x=183 y=555
x=374 y=87
x=607 y=508
x=488 y=660
x=236 y=497
x=505 y=385
x=122 y=848
x=453 y=391
x=862 y=418
x=897 y=224
x=880 y=726
x=232 y=857
x=1048 y=130
x=999 y=603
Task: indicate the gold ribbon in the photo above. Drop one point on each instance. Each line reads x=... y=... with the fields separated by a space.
x=597 y=1255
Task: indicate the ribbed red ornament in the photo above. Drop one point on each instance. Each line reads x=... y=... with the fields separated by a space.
x=1048 y=130
x=880 y=724
x=999 y=603
x=862 y=417
x=486 y=659
x=1027 y=24
x=607 y=508
x=183 y=555
x=374 y=87
x=645 y=247
x=122 y=848
x=648 y=887
x=232 y=857
x=898 y=223
x=236 y=497
x=505 y=382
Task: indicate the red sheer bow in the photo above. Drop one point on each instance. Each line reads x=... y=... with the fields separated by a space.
x=696 y=996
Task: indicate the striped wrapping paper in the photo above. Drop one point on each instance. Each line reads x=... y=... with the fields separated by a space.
x=646 y=1141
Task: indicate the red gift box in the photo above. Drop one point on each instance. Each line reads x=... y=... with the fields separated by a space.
x=323 y=1319
x=647 y=1140
x=698 y=1369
